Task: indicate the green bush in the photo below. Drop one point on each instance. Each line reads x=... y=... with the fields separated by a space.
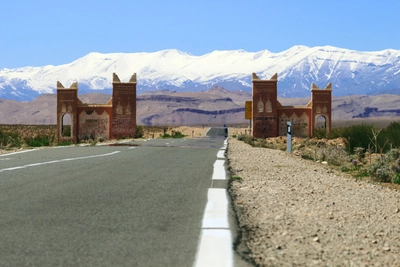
x=320 y=133
x=357 y=136
x=9 y=139
x=392 y=133
x=38 y=141
x=380 y=170
x=361 y=137
x=175 y=134
x=139 y=131
x=396 y=179
x=382 y=175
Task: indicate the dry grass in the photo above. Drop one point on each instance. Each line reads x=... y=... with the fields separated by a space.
x=30 y=131
x=378 y=122
x=26 y=131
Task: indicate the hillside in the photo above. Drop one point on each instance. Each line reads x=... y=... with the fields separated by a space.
x=214 y=106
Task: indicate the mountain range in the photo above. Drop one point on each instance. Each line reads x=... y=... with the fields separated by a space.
x=351 y=72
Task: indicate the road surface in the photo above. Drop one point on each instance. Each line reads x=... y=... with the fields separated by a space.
x=138 y=204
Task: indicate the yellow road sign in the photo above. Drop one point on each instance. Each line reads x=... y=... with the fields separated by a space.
x=248 y=110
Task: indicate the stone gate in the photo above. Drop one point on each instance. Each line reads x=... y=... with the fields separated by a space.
x=78 y=121
x=270 y=117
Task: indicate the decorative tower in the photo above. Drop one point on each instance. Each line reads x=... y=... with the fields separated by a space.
x=321 y=106
x=124 y=108
x=67 y=99
x=265 y=95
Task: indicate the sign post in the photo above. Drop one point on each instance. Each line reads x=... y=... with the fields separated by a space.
x=249 y=112
x=289 y=136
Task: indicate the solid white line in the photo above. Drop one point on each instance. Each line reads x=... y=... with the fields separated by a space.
x=57 y=161
x=219 y=172
x=221 y=154
x=215 y=249
x=216 y=213
x=19 y=152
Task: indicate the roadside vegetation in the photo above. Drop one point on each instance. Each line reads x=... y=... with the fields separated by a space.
x=19 y=136
x=26 y=136
x=161 y=132
x=174 y=134
x=363 y=151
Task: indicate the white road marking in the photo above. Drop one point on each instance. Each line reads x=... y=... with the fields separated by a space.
x=19 y=152
x=215 y=248
x=221 y=154
x=216 y=213
x=219 y=172
x=56 y=161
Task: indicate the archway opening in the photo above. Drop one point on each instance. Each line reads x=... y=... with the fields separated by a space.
x=66 y=125
x=320 y=122
x=320 y=126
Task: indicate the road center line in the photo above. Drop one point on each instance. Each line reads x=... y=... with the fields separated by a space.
x=57 y=161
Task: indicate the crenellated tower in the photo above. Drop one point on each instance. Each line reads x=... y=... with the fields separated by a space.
x=124 y=108
x=265 y=104
x=321 y=100
x=67 y=121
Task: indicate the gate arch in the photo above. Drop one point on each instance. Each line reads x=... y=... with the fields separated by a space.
x=113 y=120
x=66 y=125
x=271 y=121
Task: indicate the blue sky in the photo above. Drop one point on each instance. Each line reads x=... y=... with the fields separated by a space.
x=54 y=32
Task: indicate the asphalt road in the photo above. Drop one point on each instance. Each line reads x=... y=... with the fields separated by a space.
x=135 y=205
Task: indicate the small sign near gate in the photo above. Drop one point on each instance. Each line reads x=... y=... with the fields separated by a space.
x=248 y=110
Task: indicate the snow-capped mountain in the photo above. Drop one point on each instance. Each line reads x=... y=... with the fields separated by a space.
x=351 y=72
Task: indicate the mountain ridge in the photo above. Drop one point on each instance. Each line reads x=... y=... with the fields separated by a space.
x=351 y=72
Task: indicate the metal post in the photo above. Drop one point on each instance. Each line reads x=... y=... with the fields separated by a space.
x=289 y=136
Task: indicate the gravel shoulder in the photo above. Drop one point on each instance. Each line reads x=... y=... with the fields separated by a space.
x=295 y=212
